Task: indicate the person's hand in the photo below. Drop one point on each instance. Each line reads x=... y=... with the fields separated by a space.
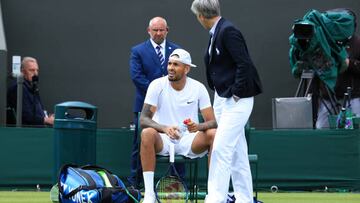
x=347 y=61
x=192 y=126
x=172 y=132
x=49 y=120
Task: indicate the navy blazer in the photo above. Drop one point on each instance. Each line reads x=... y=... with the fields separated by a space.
x=229 y=68
x=32 y=108
x=145 y=67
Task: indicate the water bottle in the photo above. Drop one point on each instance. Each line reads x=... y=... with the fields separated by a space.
x=182 y=129
x=341 y=119
x=348 y=114
x=349 y=119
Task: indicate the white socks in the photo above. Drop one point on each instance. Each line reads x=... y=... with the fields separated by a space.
x=149 y=196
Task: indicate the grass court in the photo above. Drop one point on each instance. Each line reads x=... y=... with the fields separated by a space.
x=266 y=197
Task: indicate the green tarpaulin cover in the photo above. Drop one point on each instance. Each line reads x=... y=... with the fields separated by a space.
x=325 y=52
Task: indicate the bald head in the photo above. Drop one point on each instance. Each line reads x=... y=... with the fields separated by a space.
x=157 y=20
x=158 y=29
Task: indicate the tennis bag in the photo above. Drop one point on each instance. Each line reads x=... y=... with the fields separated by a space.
x=93 y=184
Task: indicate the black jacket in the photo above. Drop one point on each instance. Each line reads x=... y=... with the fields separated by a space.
x=229 y=68
x=351 y=77
x=32 y=108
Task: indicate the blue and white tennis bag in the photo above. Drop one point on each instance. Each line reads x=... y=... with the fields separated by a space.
x=93 y=184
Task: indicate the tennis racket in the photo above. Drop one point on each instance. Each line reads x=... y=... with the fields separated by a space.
x=171 y=188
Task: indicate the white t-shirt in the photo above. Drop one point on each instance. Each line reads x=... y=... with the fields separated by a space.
x=172 y=106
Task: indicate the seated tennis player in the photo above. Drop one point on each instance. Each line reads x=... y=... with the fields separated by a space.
x=169 y=101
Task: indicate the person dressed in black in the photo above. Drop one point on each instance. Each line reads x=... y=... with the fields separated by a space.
x=351 y=77
x=33 y=112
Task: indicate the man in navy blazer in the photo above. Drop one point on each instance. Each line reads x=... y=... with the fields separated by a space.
x=33 y=112
x=234 y=78
x=148 y=61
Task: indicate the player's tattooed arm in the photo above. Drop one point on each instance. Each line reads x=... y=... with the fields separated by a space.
x=146 y=120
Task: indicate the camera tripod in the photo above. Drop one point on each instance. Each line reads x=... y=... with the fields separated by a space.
x=311 y=85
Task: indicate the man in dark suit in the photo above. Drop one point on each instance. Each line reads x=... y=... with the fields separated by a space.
x=233 y=76
x=148 y=61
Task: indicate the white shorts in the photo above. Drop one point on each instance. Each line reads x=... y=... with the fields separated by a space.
x=182 y=148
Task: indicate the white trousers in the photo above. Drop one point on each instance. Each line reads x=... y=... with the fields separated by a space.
x=229 y=155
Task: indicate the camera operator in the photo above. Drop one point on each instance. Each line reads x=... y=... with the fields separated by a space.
x=33 y=112
x=349 y=78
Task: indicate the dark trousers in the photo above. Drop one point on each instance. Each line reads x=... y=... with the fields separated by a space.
x=135 y=166
x=136 y=177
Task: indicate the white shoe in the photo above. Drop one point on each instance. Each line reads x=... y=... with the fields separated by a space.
x=149 y=199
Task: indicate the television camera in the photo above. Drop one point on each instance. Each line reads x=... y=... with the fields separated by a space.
x=318 y=54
